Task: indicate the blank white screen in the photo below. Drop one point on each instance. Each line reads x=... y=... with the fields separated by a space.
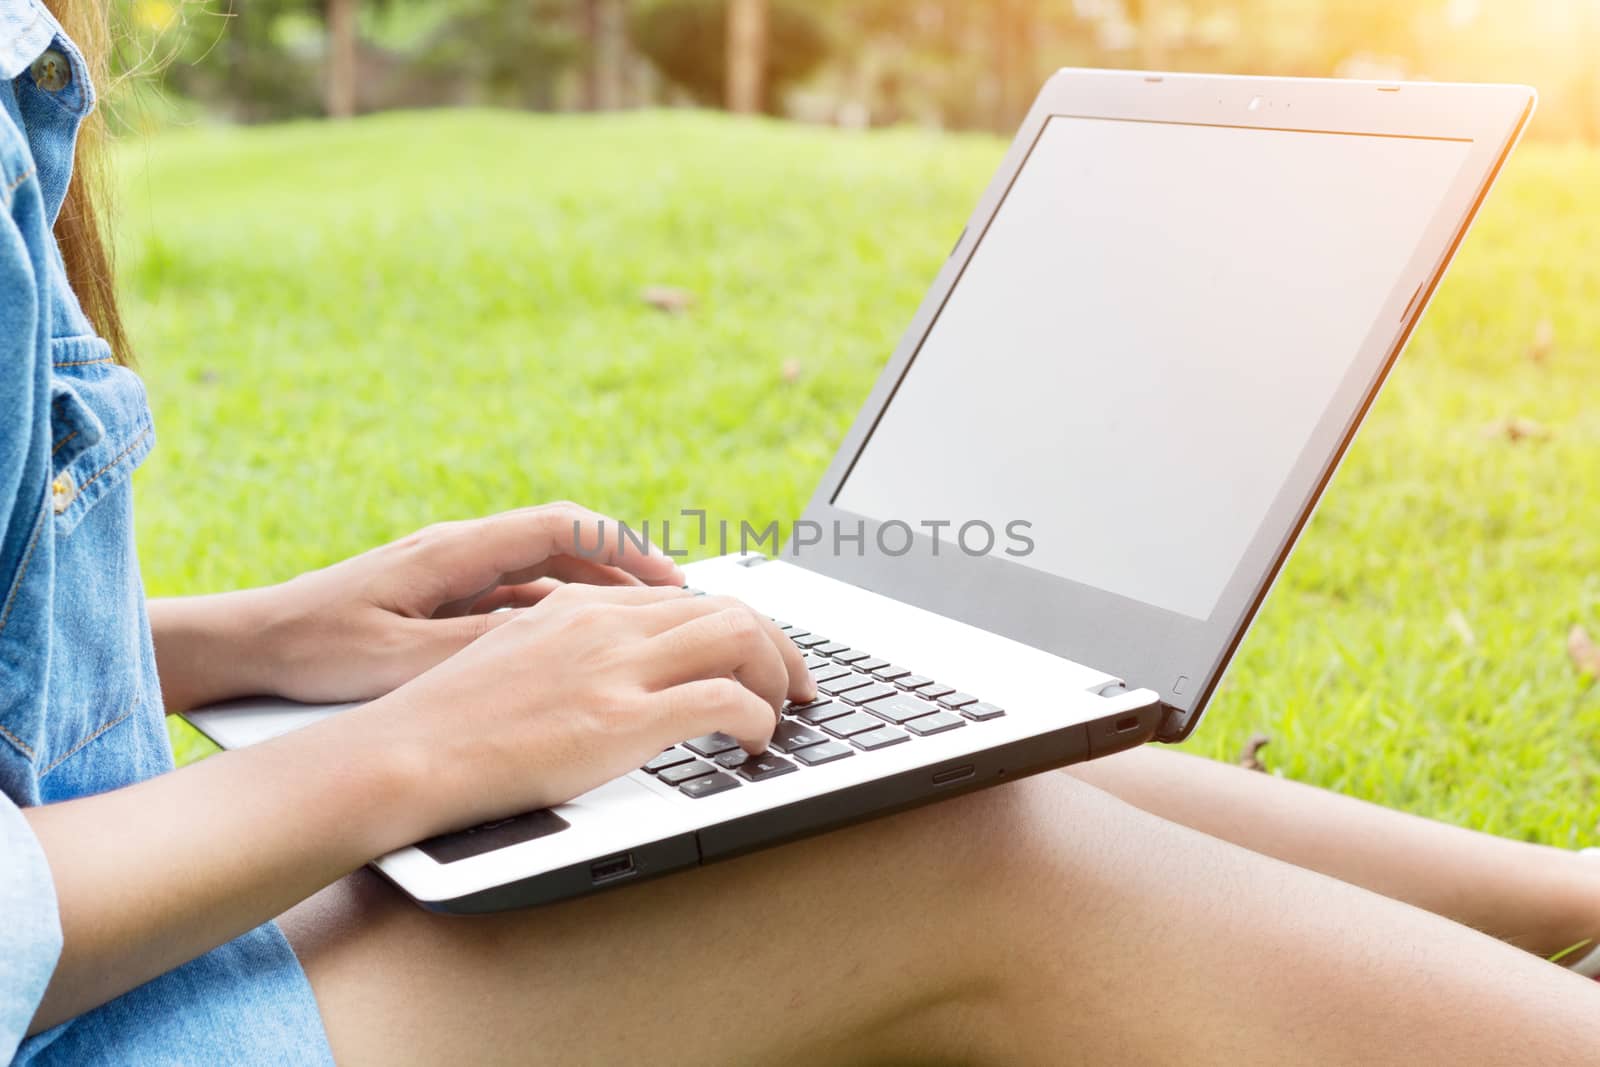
x=1140 y=347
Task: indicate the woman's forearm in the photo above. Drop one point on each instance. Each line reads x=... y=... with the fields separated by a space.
x=155 y=874
x=211 y=648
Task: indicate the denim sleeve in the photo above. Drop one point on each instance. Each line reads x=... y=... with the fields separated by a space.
x=30 y=929
x=24 y=336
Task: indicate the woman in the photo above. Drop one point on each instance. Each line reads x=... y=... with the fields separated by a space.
x=211 y=915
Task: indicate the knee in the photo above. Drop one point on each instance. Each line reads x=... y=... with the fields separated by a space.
x=1033 y=841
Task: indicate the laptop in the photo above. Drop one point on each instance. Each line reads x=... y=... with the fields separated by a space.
x=1074 y=482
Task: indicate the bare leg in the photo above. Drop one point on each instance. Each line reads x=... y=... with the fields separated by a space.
x=1539 y=898
x=1043 y=922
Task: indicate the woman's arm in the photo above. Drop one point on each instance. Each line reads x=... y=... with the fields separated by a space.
x=573 y=692
x=359 y=628
x=211 y=648
x=153 y=875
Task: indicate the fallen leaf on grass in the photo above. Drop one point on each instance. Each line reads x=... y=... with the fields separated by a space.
x=1584 y=653
x=666 y=298
x=1458 y=622
x=1544 y=341
x=1517 y=429
x=1250 y=757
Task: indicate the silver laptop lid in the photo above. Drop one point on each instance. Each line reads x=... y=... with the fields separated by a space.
x=1146 y=355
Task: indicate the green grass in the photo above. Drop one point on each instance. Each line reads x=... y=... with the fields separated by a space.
x=353 y=330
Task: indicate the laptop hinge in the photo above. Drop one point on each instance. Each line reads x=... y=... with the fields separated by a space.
x=1176 y=724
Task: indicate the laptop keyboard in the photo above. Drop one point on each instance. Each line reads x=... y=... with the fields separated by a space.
x=863 y=704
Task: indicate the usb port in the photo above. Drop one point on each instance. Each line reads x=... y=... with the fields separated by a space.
x=611 y=868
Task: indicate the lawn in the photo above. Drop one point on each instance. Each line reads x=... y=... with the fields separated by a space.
x=353 y=330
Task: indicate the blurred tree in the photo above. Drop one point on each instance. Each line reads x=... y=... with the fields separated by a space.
x=747 y=55
x=514 y=52
x=687 y=41
x=958 y=63
x=1149 y=18
x=1013 y=32
x=339 y=59
x=602 y=28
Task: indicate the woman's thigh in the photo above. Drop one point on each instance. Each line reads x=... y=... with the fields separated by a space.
x=865 y=944
x=1043 y=921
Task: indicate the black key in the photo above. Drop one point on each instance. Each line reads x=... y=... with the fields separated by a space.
x=867 y=694
x=937 y=723
x=809 y=640
x=934 y=690
x=913 y=681
x=760 y=768
x=711 y=744
x=870 y=665
x=828 y=673
x=670 y=758
x=731 y=759
x=982 y=710
x=882 y=737
x=901 y=707
x=831 y=647
x=857 y=722
x=826 y=753
x=834 y=686
x=791 y=736
x=958 y=700
x=890 y=673
x=850 y=655
x=709 y=785
x=685 y=771
x=820 y=713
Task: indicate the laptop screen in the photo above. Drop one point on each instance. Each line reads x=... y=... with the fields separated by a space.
x=1140 y=346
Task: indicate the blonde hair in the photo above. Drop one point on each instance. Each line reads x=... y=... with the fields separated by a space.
x=81 y=227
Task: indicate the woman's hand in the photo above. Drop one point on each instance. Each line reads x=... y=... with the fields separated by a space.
x=584 y=687
x=360 y=628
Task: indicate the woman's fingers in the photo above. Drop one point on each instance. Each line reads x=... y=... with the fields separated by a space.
x=470 y=557
x=718 y=644
x=512 y=596
x=709 y=704
x=799 y=685
x=451 y=634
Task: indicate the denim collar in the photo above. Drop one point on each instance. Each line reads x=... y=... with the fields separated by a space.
x=26 y=31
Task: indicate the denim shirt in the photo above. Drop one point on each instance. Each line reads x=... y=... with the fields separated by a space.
x=76 y=663
x=80 y=703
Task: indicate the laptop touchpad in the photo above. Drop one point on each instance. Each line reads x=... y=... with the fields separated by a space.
x=489 y=836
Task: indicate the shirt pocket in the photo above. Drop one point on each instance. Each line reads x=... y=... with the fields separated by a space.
x=75 y=660
x=101 y=670
x=100 y=428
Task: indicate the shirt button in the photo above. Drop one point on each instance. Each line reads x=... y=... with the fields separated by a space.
x=52 y=72
x=62 y=492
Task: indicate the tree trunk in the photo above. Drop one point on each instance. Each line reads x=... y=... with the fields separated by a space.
x=605 y=54
x=747 y=56
x=1015 y=57
x=239 y=61
x=339 y=99
x=1590 y=94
